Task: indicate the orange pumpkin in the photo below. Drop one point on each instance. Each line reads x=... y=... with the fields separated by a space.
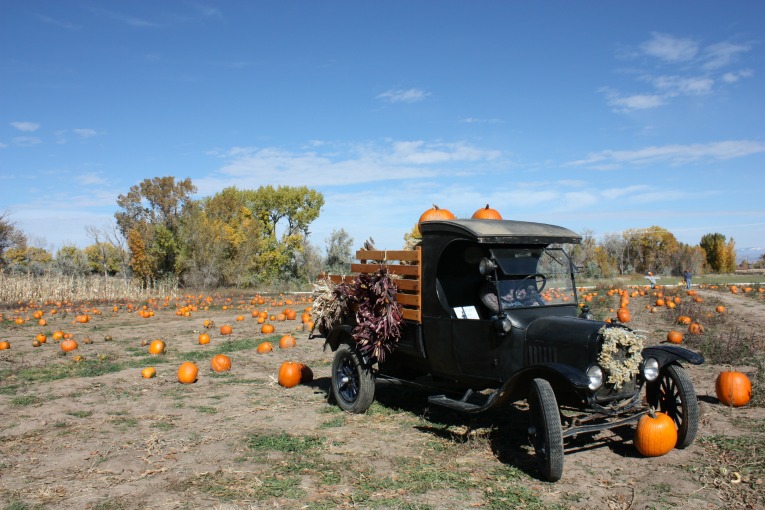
x=226 y=329
x=287 y=342
x=433 y=214
x=5 y=345
x=733 y=388
x=623 y=314
x=157 y=347
x=656 y=434
x=265 y=347
x=149 y=372
x=204 y=339
x=220 y=363
x=267 y=329
x=42 y=338
x=674 y=337
x=486 y=213
x=695 y=328
x=306 y=374
x=187 y=372
x=69 y=345
x=289 y=374
x=720 y=309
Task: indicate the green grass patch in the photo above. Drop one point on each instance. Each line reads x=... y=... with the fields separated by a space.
x=80 y=414
x=228 y=346
x=284 y=443
x=89 y=367
x=26 y=400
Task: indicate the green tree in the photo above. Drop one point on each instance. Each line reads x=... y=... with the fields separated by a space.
x=152 y=210
x=339 y=253
x=654 y=249
x=70 y=260
x=104 y=258
x=10 y=237
x=721 y=255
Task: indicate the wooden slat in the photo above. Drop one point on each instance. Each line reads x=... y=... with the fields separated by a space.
x=411 y=315
x=408 y=299
x=407 y=285
x=336 y=278
x=394 y=269
x=386 y=255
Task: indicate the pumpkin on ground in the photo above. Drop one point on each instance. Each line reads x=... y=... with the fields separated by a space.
x=733 y=388
x=5 y=345
x=623 y=314
x=69 y=345
x=187 y=372
x=674 y=337
x=306 y=374
x=290 y=374
x=265 y=347
x=287 y=342
x=267 y=329
x=486 y=213
x=226 y=329
x=220 y=363
x=149 y=372
x=656 y=434
x=204 y=339
x=157 y=347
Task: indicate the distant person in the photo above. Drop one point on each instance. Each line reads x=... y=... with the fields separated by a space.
x=687 y=279
x=651 y=279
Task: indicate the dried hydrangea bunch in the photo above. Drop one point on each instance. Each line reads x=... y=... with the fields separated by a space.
x=621 y=354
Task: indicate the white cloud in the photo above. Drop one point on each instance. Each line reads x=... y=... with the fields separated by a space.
x=624 y=104
x=733 y=77
x=673 y=154
x=85 y=132
x=670 y=49
x=27 y=127
x=91 y=178
x=722 y=54
x=327 y=165
x=677 y=85
x=26 y=141
x=404 y=96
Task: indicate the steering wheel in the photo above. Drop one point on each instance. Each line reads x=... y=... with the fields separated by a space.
x=540 y=281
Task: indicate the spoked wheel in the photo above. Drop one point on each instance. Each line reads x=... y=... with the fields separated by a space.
x=353 y=384
x=545 y=431
x=673 y=393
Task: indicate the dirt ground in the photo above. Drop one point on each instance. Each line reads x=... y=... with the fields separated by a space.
x=94 y=434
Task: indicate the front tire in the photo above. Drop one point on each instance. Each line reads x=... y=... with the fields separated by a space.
x=545 y=431
x=673 y=393
x=353 y=384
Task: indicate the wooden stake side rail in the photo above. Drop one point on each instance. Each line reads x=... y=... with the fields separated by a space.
x=407 y=264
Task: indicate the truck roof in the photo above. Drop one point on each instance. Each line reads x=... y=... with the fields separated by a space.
x=501 y=231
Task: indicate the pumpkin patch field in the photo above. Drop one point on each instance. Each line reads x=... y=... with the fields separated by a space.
x=222 y=402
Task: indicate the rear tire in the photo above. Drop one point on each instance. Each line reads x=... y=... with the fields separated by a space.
x=353 y=384
x=545 y=432
x=673 y=393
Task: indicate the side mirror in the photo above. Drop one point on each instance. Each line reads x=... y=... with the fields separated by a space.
x=486 y=266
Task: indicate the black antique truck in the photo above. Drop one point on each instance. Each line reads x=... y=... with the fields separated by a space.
x=491 y=316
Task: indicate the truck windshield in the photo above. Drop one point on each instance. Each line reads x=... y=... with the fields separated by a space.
x=534 y=277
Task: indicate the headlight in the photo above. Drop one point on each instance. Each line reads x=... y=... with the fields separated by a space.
x=504 y=326
x=595 y=373
x=651 y=369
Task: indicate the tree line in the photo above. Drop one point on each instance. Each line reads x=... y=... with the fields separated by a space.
x=243 y=238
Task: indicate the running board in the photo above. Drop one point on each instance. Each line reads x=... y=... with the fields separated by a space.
x=462 y=404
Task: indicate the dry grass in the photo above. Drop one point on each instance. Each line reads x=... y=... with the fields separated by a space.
x=26 y=288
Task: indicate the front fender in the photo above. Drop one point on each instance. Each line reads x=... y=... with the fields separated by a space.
x=559 y=375
x=338 y=335
x=668 y=354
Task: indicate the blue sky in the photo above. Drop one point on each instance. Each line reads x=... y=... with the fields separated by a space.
x=592 y=115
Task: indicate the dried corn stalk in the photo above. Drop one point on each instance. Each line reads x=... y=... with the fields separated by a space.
x=330 y=304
